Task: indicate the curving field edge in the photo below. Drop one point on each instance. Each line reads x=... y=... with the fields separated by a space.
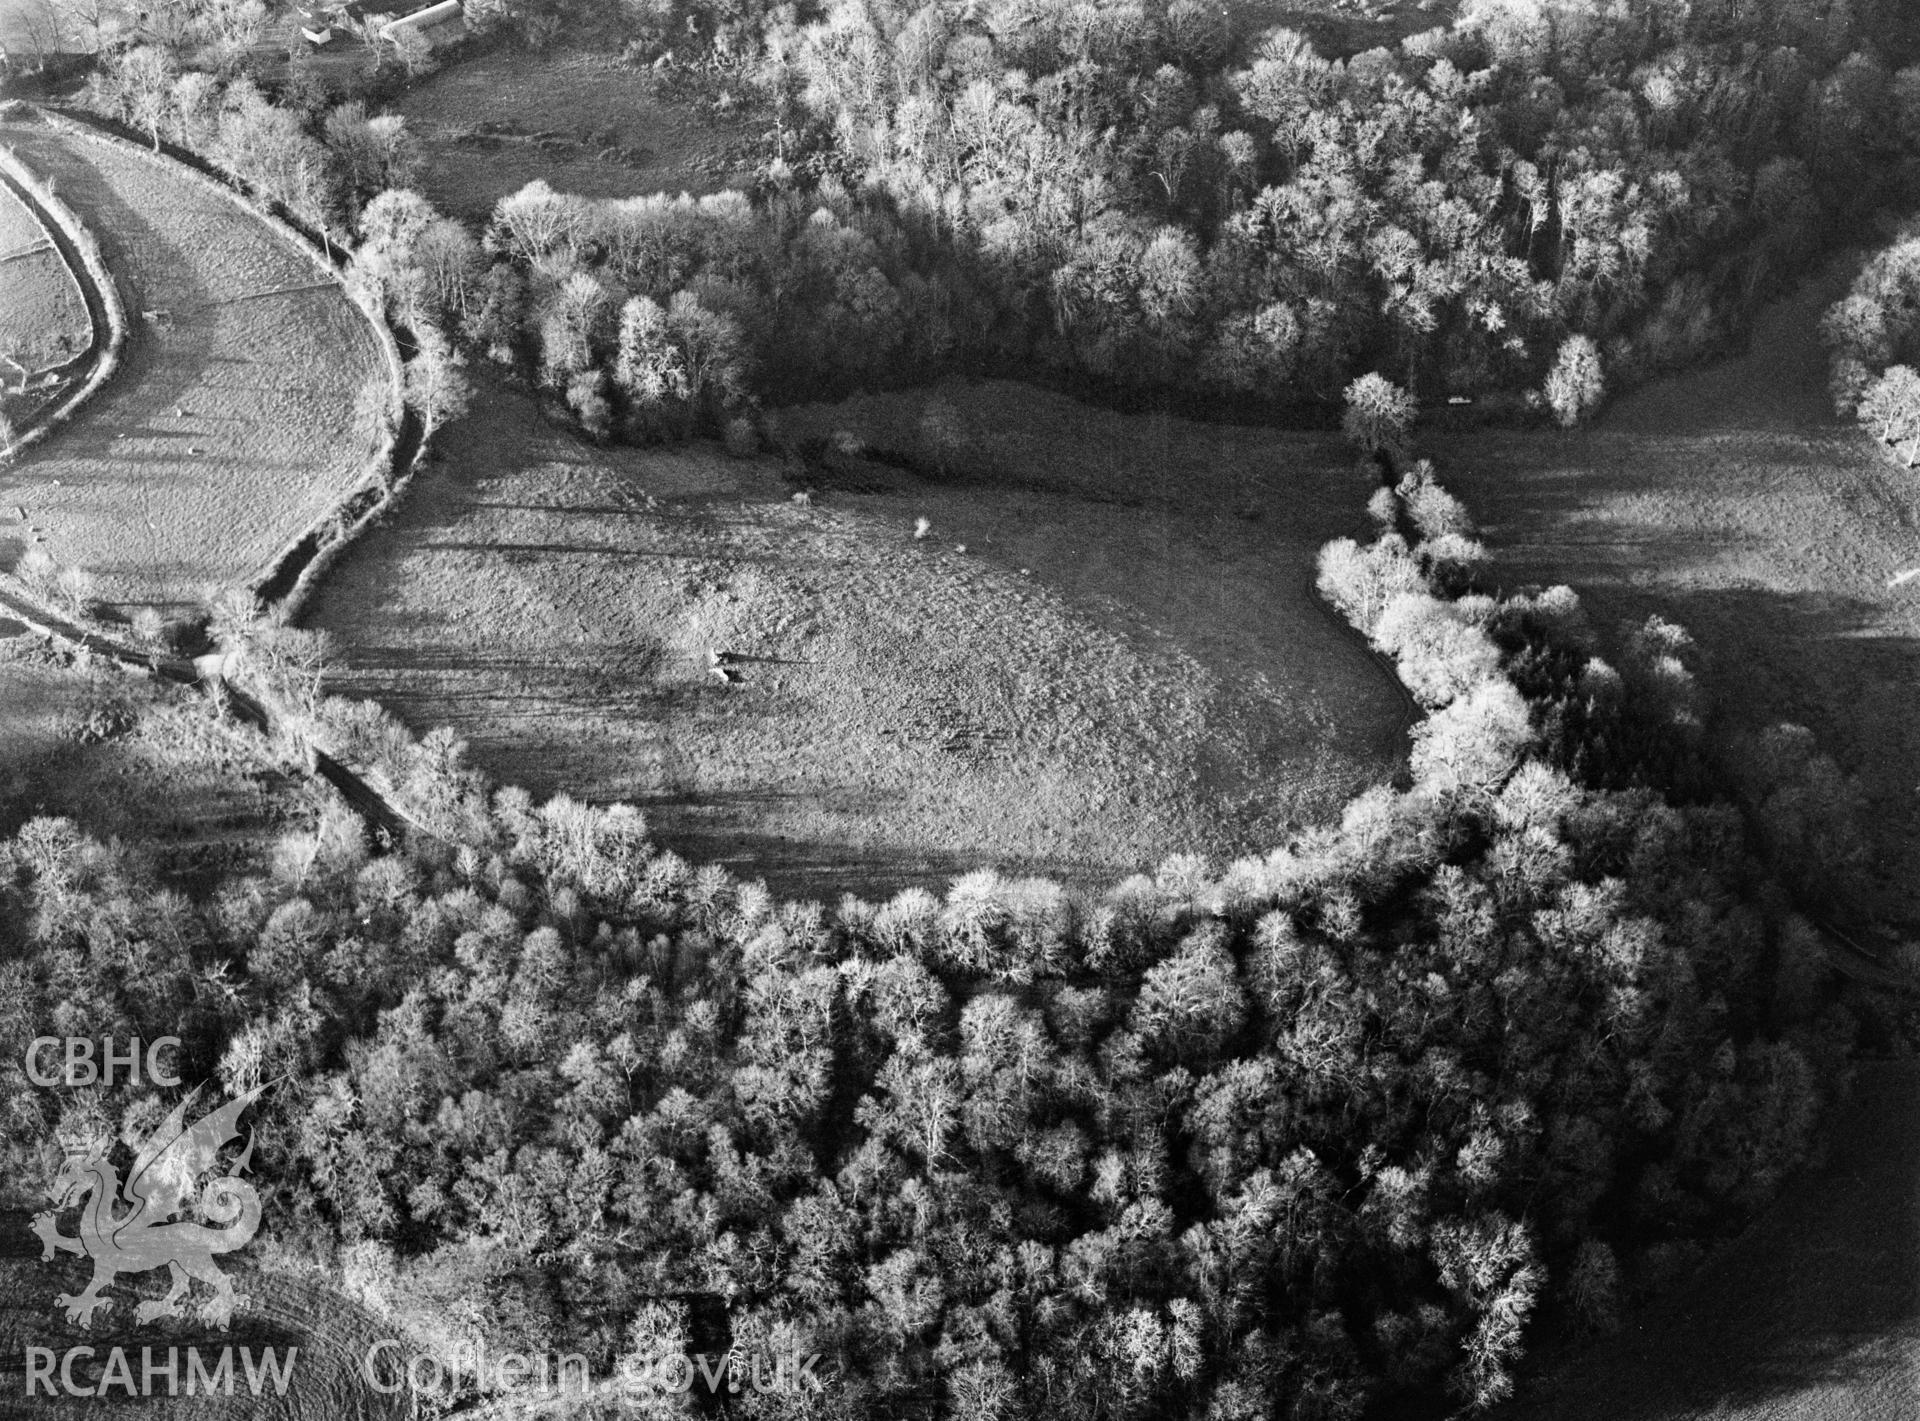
x=105 y=312
x=392 y=458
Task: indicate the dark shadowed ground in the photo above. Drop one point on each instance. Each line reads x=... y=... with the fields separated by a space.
x=1813 y=1314
x=1733 y=501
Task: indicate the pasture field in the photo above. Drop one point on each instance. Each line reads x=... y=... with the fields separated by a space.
x=1732 y=500
x=586 y=123
x=249 y=399
x=43 y=316
x=1101 y=679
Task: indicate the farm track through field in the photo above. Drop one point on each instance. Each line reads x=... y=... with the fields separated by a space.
x=232 y=425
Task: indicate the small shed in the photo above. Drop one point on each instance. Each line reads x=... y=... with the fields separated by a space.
x=437 y=25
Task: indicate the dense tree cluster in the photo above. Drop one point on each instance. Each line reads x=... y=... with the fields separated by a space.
x=320 y=167
x=1543 y=195
x=1873 y=343
x=1162 y=199
x=1503 y=1045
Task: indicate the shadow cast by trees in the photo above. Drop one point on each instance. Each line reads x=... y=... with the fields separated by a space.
x=1774 y=549
x=1821 y=1294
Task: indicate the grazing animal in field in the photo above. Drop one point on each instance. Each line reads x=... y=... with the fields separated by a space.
x=724 y=675
x=921 y=527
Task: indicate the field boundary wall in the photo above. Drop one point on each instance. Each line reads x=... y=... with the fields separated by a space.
x=106 y=312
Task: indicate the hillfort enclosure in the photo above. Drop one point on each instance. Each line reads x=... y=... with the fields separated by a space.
x=1084 y=709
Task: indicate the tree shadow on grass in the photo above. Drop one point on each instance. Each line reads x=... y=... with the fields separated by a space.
x=1813 y=1312
x=806 y=868
x=1839 y=665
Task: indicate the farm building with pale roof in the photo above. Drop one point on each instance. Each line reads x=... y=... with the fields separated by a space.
x=437 y=24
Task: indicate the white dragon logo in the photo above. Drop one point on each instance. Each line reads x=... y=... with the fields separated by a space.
x=166 y=1169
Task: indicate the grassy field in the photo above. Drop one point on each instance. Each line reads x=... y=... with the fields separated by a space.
x=242 y=409
x=585 y=123
x=43 y=317
x=1733 y=501
x=1107 y=675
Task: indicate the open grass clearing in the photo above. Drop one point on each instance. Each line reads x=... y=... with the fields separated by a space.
x=1339 y=28
x=903 y=711
x=43 y=317
x=1733 y=501
x=1197 y=534
x=554 y=117
x=244 y=408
